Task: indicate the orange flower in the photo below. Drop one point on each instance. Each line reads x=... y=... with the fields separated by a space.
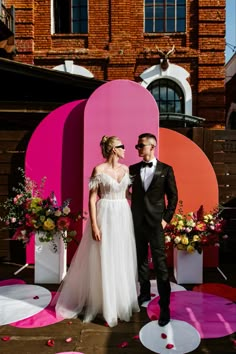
x=200 y=226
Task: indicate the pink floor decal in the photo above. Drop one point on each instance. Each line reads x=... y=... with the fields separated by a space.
x=43 y=318
x=11 y=282
x=223 y=290
x=70 y=353
x=20 y=301
x=212 y=316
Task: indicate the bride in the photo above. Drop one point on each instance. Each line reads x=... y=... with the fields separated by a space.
x=102 y=278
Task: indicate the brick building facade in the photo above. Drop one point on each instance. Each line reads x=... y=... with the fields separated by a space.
x=116 y=45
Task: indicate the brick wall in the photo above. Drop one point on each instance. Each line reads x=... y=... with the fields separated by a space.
x=117 y=48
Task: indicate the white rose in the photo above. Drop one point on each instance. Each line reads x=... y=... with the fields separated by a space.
x=167 y=239
x=66 y=210
x=177 y=239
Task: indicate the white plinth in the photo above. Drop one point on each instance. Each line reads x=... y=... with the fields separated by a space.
x=50 y=261
x=188 y=267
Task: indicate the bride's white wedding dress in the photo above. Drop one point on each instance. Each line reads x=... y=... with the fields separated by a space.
x=102 y=278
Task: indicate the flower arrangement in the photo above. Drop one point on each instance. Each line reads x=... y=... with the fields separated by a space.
x=28 y=212
x=194 y=230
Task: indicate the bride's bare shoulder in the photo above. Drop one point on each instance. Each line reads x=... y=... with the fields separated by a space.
x=98 y=169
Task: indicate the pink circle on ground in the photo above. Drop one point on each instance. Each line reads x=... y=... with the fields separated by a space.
x=211 y=315
x=70 y=353
x=43 y=318
x=11 y=282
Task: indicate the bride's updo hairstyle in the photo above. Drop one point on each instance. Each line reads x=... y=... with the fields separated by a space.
x=107 y=144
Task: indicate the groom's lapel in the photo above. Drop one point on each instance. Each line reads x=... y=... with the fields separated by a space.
x=139 y=180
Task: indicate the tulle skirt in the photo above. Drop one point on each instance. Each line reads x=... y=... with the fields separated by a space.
x=102 y=278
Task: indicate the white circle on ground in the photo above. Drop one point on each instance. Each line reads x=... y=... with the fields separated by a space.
x=184 y=337
x=154 y=291
x=22 y=301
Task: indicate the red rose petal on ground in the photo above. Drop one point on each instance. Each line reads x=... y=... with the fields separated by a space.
x=70 y=322
x=51 y=342
x=136 y=336
x=6 y=338
x=68 y=340
x=123 y=345
x=234 y=342
x=106 y=324
x=36 y=297
x=169 y=346
x=163 y=335
x=153 y=295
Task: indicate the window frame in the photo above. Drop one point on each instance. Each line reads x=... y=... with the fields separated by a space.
x=64 y=20
x=164 y=6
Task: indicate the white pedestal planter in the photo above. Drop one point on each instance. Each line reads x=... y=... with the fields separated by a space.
x=188 y=267
x=50 y=261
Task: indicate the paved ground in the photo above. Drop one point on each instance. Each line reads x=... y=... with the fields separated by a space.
x=96 y=338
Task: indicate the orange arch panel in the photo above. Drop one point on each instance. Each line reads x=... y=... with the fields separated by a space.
x=195 y=176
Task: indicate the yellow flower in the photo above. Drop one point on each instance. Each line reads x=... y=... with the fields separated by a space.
x=196 y=238
x=35 y=203
x=185 y=240
x=48 y=225
x=190 y=249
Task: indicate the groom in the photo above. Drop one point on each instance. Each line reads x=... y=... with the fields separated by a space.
x=153 y=202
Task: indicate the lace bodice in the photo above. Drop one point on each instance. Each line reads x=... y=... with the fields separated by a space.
x=109 y=188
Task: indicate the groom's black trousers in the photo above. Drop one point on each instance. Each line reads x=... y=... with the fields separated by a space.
x=154 y=236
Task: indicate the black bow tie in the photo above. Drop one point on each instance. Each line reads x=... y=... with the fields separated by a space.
x=147 y=164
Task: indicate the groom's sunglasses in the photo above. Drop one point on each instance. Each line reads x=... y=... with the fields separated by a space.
x=120 y=147
x=141 y=146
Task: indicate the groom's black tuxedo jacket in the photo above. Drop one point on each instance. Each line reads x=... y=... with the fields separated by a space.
x=160 y=199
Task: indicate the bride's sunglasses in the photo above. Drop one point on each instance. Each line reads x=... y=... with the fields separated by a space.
x=120 y=147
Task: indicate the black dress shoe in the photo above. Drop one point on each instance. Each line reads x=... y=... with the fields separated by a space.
x=143 y=298
x=164 y=318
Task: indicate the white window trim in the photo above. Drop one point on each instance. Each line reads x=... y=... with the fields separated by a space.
x=70 y=67
x=52 y=18
x=175 y=73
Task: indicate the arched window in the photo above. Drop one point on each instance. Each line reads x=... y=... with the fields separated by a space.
x=168 y=95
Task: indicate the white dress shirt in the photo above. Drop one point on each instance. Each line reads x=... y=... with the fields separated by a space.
x=147 y=173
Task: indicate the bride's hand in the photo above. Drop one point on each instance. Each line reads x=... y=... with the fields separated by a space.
x=96 y=234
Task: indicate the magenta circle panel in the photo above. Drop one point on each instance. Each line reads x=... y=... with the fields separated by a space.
x=212 y=316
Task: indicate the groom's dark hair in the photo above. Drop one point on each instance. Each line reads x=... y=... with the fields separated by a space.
x=147 y=135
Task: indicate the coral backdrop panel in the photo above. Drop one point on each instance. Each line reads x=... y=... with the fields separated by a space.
x=195 y=177
x=55 y=150
x=122 y=108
